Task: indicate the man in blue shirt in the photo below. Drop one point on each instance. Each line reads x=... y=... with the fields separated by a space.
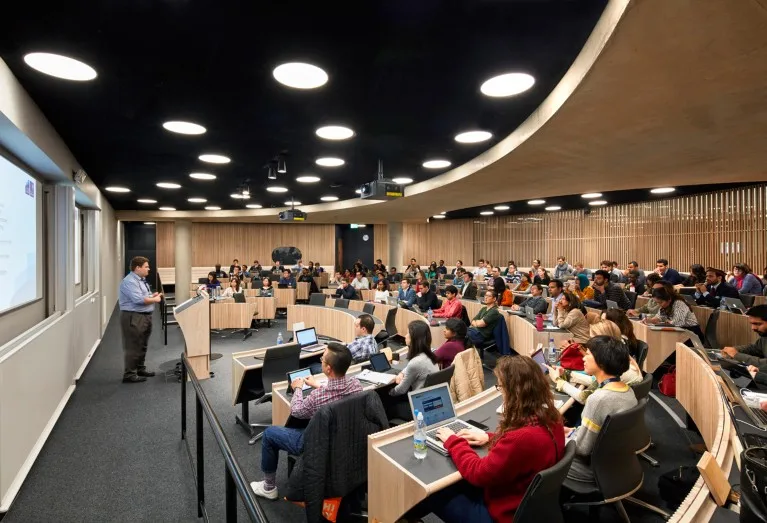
x=667 y=273
x=406 y=297
x=287 y=279
x=136 y=307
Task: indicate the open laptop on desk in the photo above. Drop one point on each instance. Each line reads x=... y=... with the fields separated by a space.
x=391 y=300
x=689 y=299
x=735 y=305
x=611 y=304
x=750 y=404
x=379 y=371
x=307 y=338
x=438 y=411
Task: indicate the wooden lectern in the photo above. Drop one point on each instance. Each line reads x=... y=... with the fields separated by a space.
x=193 y=316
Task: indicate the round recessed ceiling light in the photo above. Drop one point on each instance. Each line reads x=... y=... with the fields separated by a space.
x=149 y=223
x=300 y=75
x=487 y=213
x=439 y=216
x=116 y=189
x=329 y=162
x=167 y=208
x=308 y=179
x=240 y=196
x=598 y=202
x=402 y=181
x=662 y=190
x=501 y=207
x=146 y=200
x=214 y=158
x=202 y=176
x=436 y=164
x=507 y=84
x=197 y=200
x=536 y=202
x=168 y=185
x=473 y=137
x=334 y=132
x=254 y=206
x=60 y=66
x=591 y=195
x=277 y=189
x=293 y=203
x=553 y=208
x=329 y=198
x=183 y=127
x=212 y=208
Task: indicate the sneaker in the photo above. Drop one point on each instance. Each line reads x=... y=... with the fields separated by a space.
x=145 y=373
x=134 y=379
x=259 y=490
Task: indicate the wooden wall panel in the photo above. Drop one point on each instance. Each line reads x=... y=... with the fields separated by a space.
x=716 y=229
x=381 y=242
x=165 y=244
x=222 y=242
x=448 y=240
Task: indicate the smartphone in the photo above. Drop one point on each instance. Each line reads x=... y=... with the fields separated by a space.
x=477 y=424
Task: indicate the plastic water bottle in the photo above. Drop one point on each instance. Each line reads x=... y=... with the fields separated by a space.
x=419 y=438
x=552 y=352
x=722 y=304
x=429 y=314
x=279 y=338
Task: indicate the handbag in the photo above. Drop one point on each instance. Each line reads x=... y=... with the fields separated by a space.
x=667 y=384
x=753 y=485
x=572 y=357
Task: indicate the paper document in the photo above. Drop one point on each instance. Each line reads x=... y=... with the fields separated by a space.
x=376 y=377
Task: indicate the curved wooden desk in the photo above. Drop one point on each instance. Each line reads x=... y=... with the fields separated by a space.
x=329 y=321
x=699 y=392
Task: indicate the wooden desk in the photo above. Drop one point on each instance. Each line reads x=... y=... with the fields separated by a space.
x=329 y=321
x=226 y=314
x=699 y=393
x=660 y=343
x=524 y=337
x=302 y=290
x=285 y=297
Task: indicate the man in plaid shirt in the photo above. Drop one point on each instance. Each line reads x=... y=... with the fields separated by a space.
x=335 y=362
x=364 y=345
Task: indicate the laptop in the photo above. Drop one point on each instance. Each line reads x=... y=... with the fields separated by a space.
x=379 y=362
x=300 y=373
x=239 y=297
x=612 y=304
x=307 y=339
x=757 y=415
x=539 y=358
x=416 y=308
x=282 y=285
x=438 y=411
x=530 y=313
x=735 y=305
x=379 y=371
x=392 y=300
x=689 y=299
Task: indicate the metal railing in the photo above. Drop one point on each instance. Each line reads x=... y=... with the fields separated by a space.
x=236 y=483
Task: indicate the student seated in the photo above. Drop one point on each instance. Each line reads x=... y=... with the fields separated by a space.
x=455 y=342
x=711 y=292
x=568 y=315
x=524 y=282
x=755 y=353
x=276 y=268
x=235 y=264
x=672 y=309
x=536 y=300
x=483 y=324
x=421 y=360
x=287 y=279
x=364 y=345
x=667 y=273
x=335 y=361
x=604 y=290
x=507 y=298
x=406 y=296
x=307 y=277
x=529 y=439
x=542 y=276
x=581 y=287
x=745 y=281
x=211 y=284
x=234 y=288
x=427 y=299
x=360 y=282
x=469 y=288
x=452 y=306
x=346 y=291
x=217 y=272
x=382 y=291
x=266 y=290
x=606 y=359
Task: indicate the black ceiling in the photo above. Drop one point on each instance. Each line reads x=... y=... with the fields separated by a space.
x=405 y=75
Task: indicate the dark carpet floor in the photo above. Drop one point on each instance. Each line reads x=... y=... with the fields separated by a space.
x=116 y=453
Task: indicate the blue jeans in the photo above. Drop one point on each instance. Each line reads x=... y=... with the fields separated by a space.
x=594 y=304
x=276 y=439
x=457 y=503
x=476 y=337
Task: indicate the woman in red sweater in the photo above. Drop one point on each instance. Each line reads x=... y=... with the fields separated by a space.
x=530 y=438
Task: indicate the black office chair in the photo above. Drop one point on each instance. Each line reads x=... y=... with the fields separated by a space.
x=441 y=376
x=278 y=361
x=642 y=350
x=317 y=298
x=710 y=336
x=632 y=296
x=256 y=283
x=465 y=316
x=617 y=471
x=541 y=501
x=368 y=308
x=342 y=303
x=642 y=391
x=382 y=339
x=500 y=333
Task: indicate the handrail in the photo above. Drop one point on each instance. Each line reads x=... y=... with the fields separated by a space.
x=235 y=478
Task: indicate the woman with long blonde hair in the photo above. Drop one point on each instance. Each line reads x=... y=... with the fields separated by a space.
x=529 y=439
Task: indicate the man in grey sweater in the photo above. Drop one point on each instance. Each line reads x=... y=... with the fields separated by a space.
x=756 y=353
x=536 y=301
x=606 y=359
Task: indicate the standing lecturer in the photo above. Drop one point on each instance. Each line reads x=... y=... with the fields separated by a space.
x=136 y=307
